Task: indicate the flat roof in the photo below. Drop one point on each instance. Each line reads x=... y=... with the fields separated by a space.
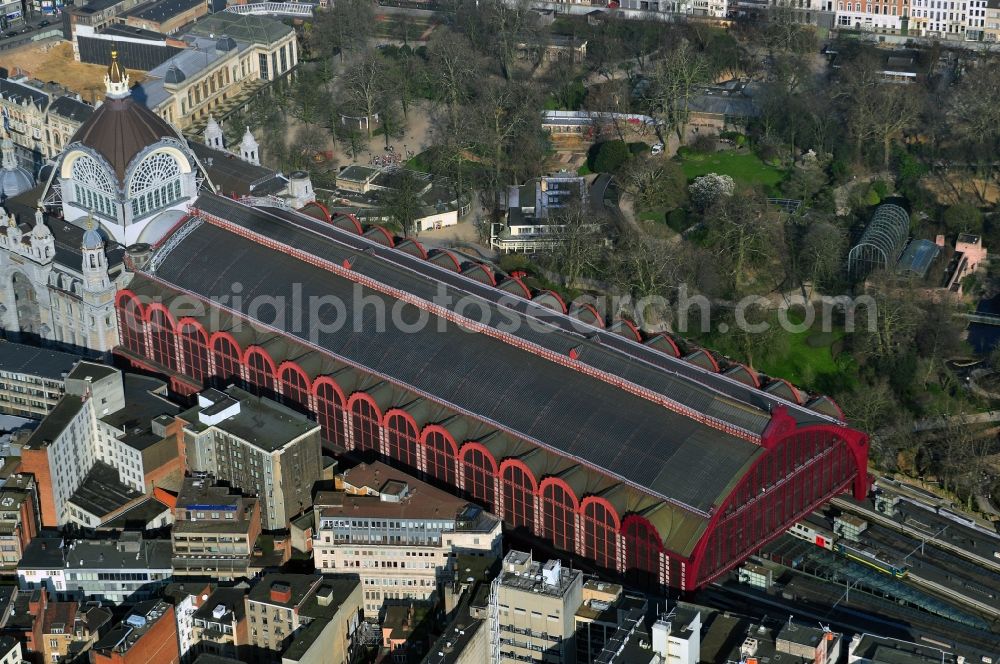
x=336 y=589
x=92 y=370
x=26 y=359
x=161 y=10
x=102 y=491
x=261 y=422
x=47 y=552
x=244 y=27
x=229 y=598
x=55 y=422
x=142 y=406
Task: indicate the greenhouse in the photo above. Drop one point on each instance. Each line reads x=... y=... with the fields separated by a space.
x=882 y=243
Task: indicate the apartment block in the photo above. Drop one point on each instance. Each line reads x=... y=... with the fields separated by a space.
x=40 y=118
x=399 y=534
x=220 y=624
x=126 y=570
x=147 y=634
x=32 y=379
x=19 y=522
x=257 y=445
x=532 y=610
x=215 y=529
x=186 y=598
x=304 y=617
x=122 y=421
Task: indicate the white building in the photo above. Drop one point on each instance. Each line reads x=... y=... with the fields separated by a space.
x=400 y=535
x=104 y=417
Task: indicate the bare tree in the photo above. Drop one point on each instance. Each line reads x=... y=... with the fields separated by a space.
x=673 y=82
x=582 y=236
x=365 y=85
x=746 y=234
x=452 y=69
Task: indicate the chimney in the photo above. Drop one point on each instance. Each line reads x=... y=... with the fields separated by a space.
x=281 y=593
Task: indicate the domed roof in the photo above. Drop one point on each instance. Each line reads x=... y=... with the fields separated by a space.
x=14 y=182
x=121 y=128
x=91 y=237
x=13 y=178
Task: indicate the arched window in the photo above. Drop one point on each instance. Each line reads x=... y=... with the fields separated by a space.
x=440 y=452
x=227 y=361
x=559 y=516
x=93 y=188
x=161 y=335
x=518 y=497
x=401 y=437
x=642 y=551
x=195 y=346
x=600 y=537
x=365 y=425
x=330 y=413
x=155 y=184
x=295 y=388
x=479 y=476
x=130 y=325
x=260 y=373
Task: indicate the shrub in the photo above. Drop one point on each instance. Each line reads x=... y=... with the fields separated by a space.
x=707 y=189
x=705 y=143
x=638 y=148
x=677 y=220
x=881 y=188
x=608 y=157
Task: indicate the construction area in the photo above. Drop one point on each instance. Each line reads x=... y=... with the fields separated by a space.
x=53 y=61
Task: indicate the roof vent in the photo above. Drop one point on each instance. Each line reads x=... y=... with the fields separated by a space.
x=174 y=75
x=225 y=44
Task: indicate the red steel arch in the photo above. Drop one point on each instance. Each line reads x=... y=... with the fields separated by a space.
x=161 y=326
x=316 y=204
x=261 y=371
x=228 y=357
x=517 y=280
x=632 y=328
x=519 y=488
x=559 y=505
x=441 y=453
x=295 y=385
x=366 y=422
x=600 y=531
x=131 y=317
x=554 y=295
x=194 y=347
x=479 y=472
x=401 y=434
x=643 y=549
x=330 y=406
x=800 y=469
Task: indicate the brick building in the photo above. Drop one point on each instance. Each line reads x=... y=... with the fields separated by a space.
x=148 y=634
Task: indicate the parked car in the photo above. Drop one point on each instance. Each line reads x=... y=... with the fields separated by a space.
x=44 y=24
x=656 y=149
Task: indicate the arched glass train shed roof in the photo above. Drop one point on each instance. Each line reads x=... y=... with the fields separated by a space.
x=882 y=242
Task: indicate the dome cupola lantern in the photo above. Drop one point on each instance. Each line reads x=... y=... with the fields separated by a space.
x=116 y=80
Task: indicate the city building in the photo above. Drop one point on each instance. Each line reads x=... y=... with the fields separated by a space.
x=32 y=379
x=299 y=617
x=947 y=19
x=885 y=16
x=258 y=445
x=165 y=16
x=93 y=16
x=970 y=255
x=126 y=570
x=147 y=634
x=399 y=534
x=187 y=597
x=147 y=512
x=19 y=522
x=108 y=418
x=220 y=624
x=227 y=56
x=664 y=500
x=10 y=650
x=39 y=118
x=532 y=609
x=532 y=221
x=602 y=609
x=872 y=649
x=215 y=529
x=52 y=630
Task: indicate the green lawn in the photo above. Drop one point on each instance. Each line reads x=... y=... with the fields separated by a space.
x=743 y=166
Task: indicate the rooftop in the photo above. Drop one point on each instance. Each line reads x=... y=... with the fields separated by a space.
x=138 y=516
x=520 y=572
x=299 y=586
x=139 y=621
x=259 y=421
x=231 y=601
x=232 y=175
x=31 y=360
x=419 y=499
x=102 y=492
x=322 y=605
x=243 y=27
x=71 y=108
x=142 y=406
x=47 y=552
x=158 y=11
x=52 y=426
x=200 y=56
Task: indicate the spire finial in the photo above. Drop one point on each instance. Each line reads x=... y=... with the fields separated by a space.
x=116 y=80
